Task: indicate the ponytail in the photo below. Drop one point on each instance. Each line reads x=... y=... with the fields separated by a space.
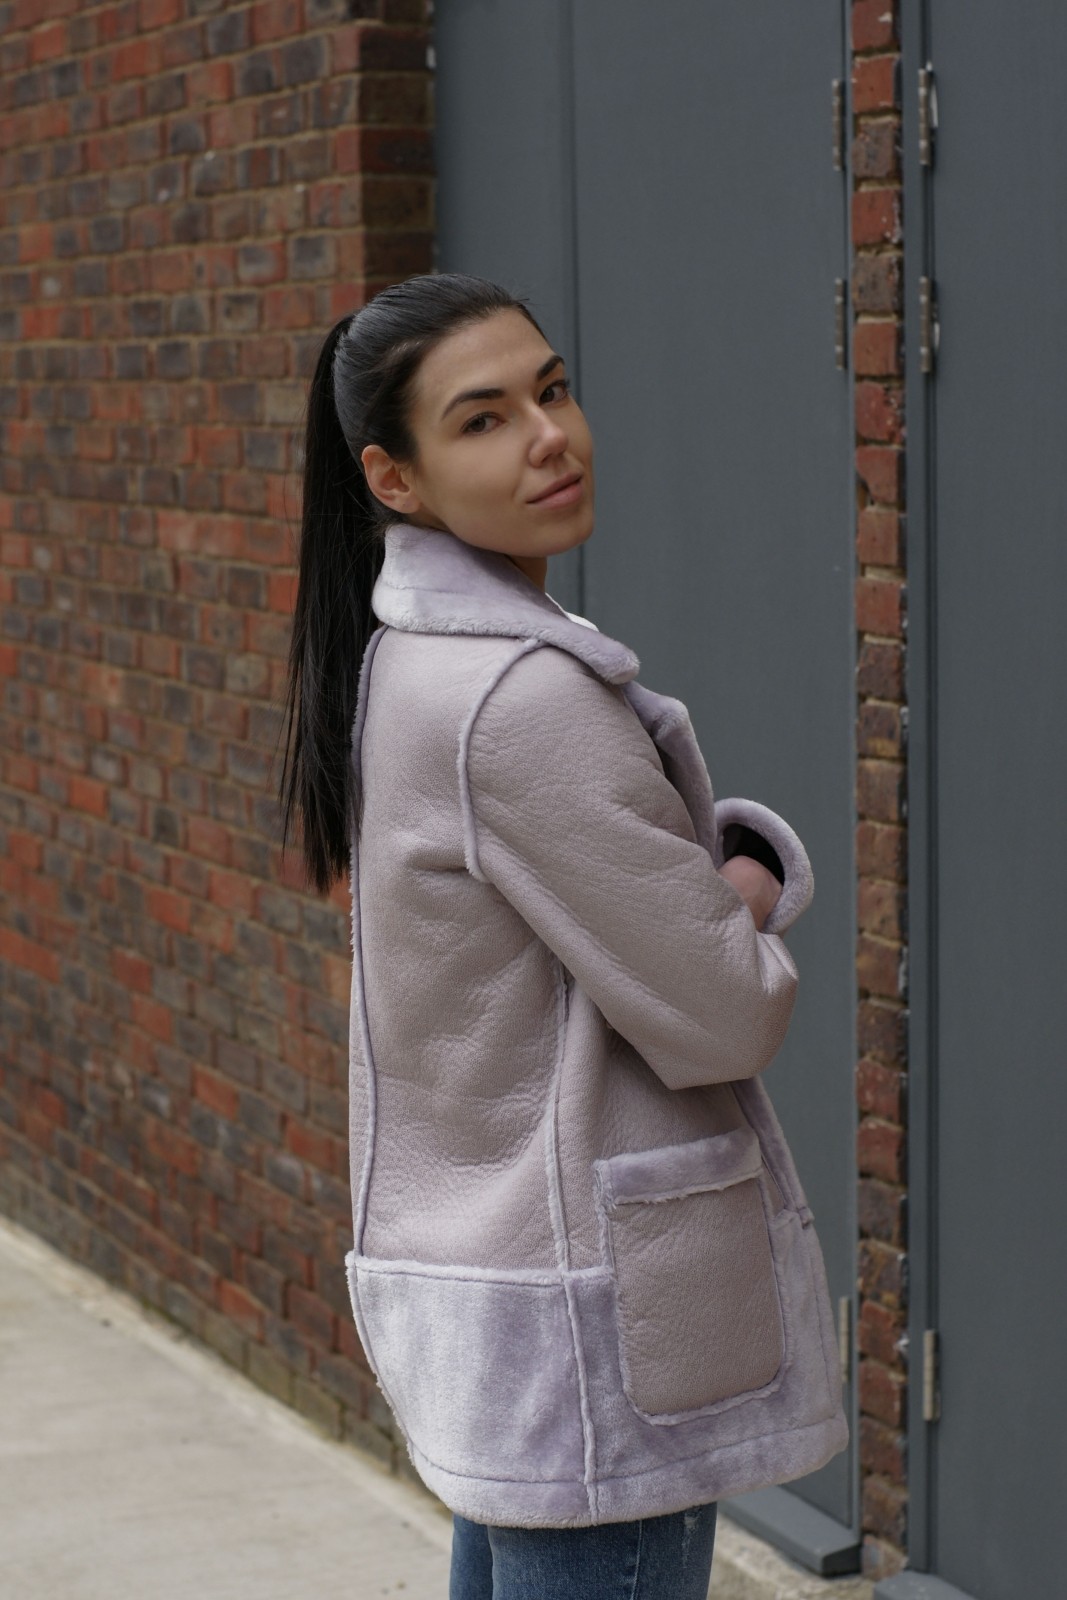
x=359 y=395
x=341 y=550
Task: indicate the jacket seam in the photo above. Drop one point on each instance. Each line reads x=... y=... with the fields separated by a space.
x=358 y=987
x=389 y=1268
x=556 y=1208
x=470 y=843
x=559 y=1227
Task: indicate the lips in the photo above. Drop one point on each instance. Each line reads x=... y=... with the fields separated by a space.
x=554 y=488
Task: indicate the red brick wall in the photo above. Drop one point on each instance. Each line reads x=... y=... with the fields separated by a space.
x=881 y=1077
x=191 y=193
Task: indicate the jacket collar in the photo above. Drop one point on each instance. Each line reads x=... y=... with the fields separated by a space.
x=432 y=581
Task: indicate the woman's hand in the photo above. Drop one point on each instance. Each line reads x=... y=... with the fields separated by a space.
x=755 y=883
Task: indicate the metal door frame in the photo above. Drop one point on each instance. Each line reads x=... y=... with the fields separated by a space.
x=920 y=395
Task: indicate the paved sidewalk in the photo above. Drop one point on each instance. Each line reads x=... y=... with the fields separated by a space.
x=134 y=1465
x=137 y=1465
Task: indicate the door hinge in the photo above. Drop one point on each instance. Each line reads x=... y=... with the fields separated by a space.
x=927 y=115
x=837 y=112
x=844 y=1337
x=931 y=1376
x=840 y=323
x=929 y=326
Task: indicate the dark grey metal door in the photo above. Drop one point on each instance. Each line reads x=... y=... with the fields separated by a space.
x=988 y=691
x=683 y=242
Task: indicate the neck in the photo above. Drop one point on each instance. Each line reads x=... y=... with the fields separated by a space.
x=535 y=568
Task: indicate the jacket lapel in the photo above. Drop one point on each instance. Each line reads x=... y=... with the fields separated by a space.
x=433 y=582
x=667 y=723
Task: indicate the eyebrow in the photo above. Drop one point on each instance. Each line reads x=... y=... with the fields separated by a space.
x=496 y=394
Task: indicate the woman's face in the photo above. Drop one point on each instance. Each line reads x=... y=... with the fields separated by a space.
x=484 y=461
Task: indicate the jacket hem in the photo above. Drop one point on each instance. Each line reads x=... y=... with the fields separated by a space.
x=657 y=1491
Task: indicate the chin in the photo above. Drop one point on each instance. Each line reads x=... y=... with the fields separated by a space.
x=568 y=538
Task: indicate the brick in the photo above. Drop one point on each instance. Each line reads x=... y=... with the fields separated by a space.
x=880 y=1090
x=880 y=669
x=227 y=33
x=879 y=417
x=879 y=1334
x=882 y=1273
x=880 y=729
x=874 y=25
x=882 y=1450
x=158 y=13
x=880 y=967
x=881 y=468
x=394 y=150
x=257 y=74
x=393 y=98
x=875 y=84
x=239 y=1306
x=880 y=605
x=311 y=1314
x=212 y=81
x=281 y=119
x=881 y=908
x=880 y=536
x=389 y=49
x=882 y=1211
x=880 y=1149
x=877 y=348
x=304 y=60
x=876 y=283
x=876 y=216
x=312 y=256
x=275 y=19
x=259 y=264
x=882 y=1030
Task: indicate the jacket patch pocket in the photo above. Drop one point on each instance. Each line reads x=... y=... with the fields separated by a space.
x=686 y=1231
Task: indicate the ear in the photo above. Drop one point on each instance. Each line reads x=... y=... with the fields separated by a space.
x=388 y=480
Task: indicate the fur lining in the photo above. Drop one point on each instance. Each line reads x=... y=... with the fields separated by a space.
x=799 y=887
x=427 y=584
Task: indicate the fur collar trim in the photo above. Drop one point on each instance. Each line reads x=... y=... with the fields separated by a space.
x=433 y=582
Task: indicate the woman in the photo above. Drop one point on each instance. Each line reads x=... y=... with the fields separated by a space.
x=584 y=1271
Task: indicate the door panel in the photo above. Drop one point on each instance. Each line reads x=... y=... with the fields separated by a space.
x=998 y=566
x=679 y=220
x=708 y=245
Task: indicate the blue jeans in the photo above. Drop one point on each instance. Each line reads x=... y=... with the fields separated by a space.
x=654 y=1558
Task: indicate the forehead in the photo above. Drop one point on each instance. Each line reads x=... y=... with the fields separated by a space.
x=493 y=352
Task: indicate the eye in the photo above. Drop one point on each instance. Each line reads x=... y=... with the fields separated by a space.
x=469 y=426
x=563 y=384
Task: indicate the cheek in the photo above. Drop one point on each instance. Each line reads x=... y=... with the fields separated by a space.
x=488 y=470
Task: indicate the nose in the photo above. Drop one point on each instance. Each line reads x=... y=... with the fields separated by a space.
x=550 y=439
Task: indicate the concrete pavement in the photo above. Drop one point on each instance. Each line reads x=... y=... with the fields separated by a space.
x=136 y=1465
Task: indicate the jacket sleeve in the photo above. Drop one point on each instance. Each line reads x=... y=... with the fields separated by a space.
x=570 y=815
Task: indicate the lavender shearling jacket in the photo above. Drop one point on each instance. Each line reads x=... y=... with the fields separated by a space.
x=584 y=1272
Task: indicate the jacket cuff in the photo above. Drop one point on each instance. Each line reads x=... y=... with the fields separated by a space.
x=799 y=881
